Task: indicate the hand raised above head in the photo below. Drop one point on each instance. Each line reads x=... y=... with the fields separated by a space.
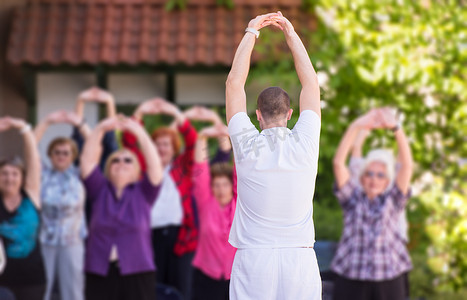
x=388 y=117
x=167 y=107
x=88 y=94
x=202 y=113
x=261 y=21
x=131 y=125
x=282 y=22
x=102 y=96
x=72 y=118
x=112 y=123
x=9 y=122
x=214 y=131
x=58 y=116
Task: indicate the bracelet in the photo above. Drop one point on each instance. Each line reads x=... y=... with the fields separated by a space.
x=395 y=128
x=25 y=129
x=252 y=30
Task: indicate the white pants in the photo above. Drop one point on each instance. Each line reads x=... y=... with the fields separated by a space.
x=66 y=263
x=275 y=274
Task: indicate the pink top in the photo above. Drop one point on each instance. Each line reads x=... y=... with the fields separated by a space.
x=214 y=255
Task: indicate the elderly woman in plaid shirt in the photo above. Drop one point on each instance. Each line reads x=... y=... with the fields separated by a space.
x=372 y=258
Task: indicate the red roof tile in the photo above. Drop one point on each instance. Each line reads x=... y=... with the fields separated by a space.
x=137 y=31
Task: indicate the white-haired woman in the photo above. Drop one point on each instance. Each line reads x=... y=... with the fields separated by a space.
x=372 y=257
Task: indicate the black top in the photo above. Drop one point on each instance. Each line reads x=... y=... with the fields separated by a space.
x=21 y=271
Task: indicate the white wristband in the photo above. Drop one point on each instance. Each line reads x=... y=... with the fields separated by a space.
x=25 y=129
x=252 y=30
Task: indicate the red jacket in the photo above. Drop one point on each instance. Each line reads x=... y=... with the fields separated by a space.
x=181 y=172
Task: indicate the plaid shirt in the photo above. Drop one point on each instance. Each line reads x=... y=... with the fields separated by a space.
x=371 y=247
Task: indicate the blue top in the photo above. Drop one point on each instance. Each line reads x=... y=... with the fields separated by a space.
x=19 y=230
x=62 y=199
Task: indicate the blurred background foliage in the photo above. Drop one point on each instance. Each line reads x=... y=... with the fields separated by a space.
x=411 y=55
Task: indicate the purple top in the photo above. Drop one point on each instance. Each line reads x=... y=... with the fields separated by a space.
x=123 y=222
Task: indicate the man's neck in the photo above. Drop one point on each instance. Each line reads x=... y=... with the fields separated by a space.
x=273 y=124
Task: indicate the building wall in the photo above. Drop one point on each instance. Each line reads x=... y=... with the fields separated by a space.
x=57 y=91
x=201 y=89
x=133 y=88
x=12 y=96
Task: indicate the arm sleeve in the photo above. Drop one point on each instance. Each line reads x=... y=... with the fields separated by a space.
x=221 y=156
x=399 y=199
x=345 y=195
x=94 y=183
x=201 y=184
x=78 y=139
x=241 y=131
x=308 y=128
x=149 y=190
x=186 y=159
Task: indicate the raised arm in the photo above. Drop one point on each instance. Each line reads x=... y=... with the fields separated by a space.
x=201 y=148
x=61 y=116
x=96 y=95
x=52 y=118
x=358 y=144
x=201 y=113
x=309 y=95
x=148 y=148
x=235 y=96
x=158 y=106
x=404 y=158
x=92 y=148
x=32 y=181
x=367 y=121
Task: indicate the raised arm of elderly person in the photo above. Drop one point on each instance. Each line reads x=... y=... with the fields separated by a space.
x=92 y=147
x=368 y=121
x=61 y=116
x=32 y=180
x=404 y=158
x=201 y=113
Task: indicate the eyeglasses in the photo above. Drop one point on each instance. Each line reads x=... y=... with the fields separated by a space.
x=379 y=175
x=61 y=153
x=116 y=160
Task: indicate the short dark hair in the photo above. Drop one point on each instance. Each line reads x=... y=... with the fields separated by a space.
x=273 y=102
x=221 y=169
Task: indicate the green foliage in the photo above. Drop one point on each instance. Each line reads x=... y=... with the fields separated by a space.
x=405 y=54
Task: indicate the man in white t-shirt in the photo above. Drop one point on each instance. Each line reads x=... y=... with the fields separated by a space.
x=276 y=171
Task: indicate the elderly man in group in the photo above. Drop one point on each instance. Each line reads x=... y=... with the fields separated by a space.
x=273 y=225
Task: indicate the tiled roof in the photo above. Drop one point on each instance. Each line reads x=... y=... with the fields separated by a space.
x=137 y=31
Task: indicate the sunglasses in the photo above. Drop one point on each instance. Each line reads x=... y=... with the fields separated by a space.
x=379 y=175
x=61 y=153
x=117 y=160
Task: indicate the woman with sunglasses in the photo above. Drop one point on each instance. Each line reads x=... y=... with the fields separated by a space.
x=119 y=261
x=215 y=191
x=372 y=258
x=19 y=217
x=63 y=228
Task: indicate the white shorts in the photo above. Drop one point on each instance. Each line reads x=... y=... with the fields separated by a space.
x=275 y=274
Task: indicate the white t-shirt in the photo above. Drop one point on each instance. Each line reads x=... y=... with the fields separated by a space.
x=168 y=208
x=276 y=174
